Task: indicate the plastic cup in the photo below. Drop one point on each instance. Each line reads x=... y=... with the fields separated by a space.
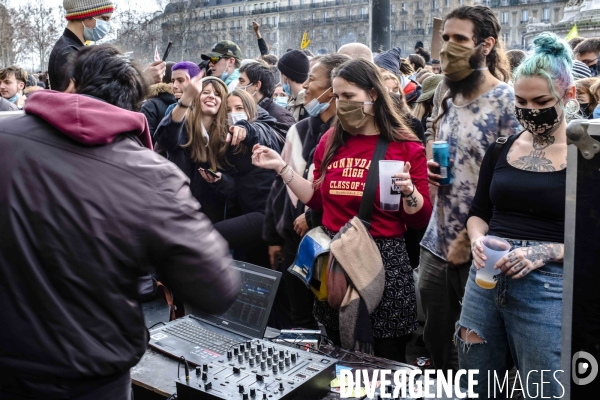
x=389 y=194
x=494 y=249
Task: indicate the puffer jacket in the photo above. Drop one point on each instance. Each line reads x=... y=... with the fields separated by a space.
x=243 y=187
x=86 y=208
x=160 y=97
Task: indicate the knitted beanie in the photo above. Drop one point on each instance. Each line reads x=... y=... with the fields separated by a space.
x=295 y=65
x=389 y=61
x=82 y=9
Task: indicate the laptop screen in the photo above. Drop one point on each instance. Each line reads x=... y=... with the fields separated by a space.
x=250 y=312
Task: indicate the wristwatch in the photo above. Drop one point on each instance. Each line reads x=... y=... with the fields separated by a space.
x=180 y=104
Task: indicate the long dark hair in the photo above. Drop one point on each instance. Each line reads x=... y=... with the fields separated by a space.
x=366 y=76
x=485 y=25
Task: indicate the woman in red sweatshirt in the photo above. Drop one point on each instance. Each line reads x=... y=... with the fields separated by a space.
x=342 y=161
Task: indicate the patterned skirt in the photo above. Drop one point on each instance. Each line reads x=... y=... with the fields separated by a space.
x=396 y=314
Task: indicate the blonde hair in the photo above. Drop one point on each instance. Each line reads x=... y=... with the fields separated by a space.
x=214 y=152
x=247 y=102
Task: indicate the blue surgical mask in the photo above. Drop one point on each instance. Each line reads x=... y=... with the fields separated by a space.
x=314 y=108
x=287 y=89
x=224 y=75
x=98 y=32
x=14 y=98
x=281 y=101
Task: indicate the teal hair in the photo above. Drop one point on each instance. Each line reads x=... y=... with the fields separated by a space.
x=552 y=59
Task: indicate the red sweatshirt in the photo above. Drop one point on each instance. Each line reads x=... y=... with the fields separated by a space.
x=340 y=193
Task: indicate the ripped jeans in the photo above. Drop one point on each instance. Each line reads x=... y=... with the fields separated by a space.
x=522 y=315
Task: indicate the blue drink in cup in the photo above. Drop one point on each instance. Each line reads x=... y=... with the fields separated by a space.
x=441 y=155
x=494 y=249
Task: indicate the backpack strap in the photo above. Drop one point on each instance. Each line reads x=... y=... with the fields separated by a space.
x=366 y=204
x=500 y=142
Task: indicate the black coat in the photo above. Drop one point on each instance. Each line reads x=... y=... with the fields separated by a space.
x=284 y=118
x=243 y=187
x=61 y=56
x=154 y=108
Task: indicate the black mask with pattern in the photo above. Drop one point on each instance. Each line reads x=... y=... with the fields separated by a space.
x=539 y=121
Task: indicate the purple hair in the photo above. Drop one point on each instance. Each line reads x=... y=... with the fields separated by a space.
x=191 y=68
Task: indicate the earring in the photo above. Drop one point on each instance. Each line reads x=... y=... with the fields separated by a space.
x=572 y=107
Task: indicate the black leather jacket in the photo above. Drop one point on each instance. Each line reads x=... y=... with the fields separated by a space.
x=58 y=64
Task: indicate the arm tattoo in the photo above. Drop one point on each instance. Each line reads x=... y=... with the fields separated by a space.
x=540 y=255
x=411 y=201
x=536 y=161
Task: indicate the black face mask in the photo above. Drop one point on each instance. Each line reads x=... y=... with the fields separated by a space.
x=594 y=69
x=539 y=121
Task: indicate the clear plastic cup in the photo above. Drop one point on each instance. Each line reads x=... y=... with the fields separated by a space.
x=494 y=249
x=389 y=194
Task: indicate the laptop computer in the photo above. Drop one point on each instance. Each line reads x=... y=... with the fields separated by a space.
x=201 y=338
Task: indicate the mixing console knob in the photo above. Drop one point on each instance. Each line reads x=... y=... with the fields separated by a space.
x=281 y=365
x=281 y=387
x=264 y=396
x=263 y=364
x=281 y=353
x=270 y=351
x=264 y=353
x=259 y=347
x=269 y=361
x=229 y=354
x=287 y=360
x=197 y=371
x=274 y=368
x=204 y=367
x=252 y=392
x=275 y=357
x=208 y=386
x=251 y=361
x=259 y=378
x=236 y=370
x=235 y=351
x=204 y=376
x=246 y=354
x=240 y=358
x=293 y=357
x=253 y=351
x=248 y=344
x=257 y=358
x=241 y=388
x=245 y=396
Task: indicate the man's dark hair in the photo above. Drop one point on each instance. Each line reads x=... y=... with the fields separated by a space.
x=587 y=46
x=418 y=61
x=485 y=25
x=259 y=72
x=515 y=57
x=104 y=72
x=575 y=41
x=270 y=59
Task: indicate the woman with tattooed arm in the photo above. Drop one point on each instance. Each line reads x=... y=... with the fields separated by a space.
x=521 y=197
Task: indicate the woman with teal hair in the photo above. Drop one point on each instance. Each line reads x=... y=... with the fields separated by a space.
x=521 y=198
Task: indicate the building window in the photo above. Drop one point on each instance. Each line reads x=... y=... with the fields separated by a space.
x=403 y=25
x=403 y=6
x=262 y=6
x=393 y=8
x=546 y=14
x=505 y=37
x=364 y=12
x=524 y=15
x=434 y=4
x=419 y=24
x=325 y=16
x=505 y=17
x=447 y=3
x=419 y=5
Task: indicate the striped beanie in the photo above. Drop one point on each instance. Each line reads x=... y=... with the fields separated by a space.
x=580 y=70
x=82 y=9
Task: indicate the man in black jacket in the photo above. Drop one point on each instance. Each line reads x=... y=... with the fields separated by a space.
x=86 y=208
x=258 y=80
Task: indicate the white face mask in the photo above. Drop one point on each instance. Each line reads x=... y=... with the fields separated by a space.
x=234 y=117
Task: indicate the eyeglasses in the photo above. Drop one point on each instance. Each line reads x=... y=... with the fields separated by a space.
x=216 y=59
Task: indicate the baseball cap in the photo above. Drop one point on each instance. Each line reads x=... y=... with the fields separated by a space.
x=224 y=48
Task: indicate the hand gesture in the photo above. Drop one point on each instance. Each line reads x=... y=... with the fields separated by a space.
x=208 y=177
x=255 y=26
x=155 y=71
x=403 y=181
x=300 y=225
x=192 y=91
x=434 y=178
x=267 y=158
x=236 y=135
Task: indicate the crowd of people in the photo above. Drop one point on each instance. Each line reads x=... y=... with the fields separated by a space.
x=117 y=173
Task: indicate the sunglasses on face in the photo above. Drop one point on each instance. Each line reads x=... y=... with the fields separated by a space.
x=216 y=59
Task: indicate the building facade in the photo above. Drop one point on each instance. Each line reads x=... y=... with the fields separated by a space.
x=195 y=25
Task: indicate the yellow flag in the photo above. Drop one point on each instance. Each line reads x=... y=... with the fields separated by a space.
x=305 y=41
x=573 y=33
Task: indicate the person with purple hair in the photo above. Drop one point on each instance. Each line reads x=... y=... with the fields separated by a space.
x=181 y=76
